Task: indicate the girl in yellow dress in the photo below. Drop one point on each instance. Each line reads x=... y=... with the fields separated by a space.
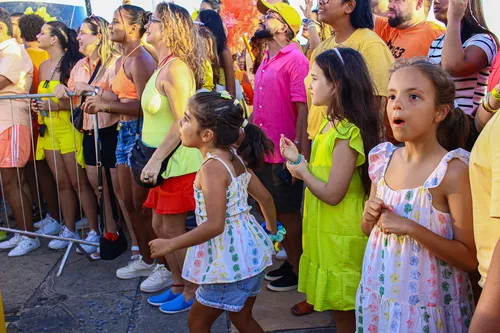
x=337 y=184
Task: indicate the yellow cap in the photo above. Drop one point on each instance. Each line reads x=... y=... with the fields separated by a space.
x=287 y=12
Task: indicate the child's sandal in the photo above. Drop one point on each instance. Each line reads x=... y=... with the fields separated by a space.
x=301 y=309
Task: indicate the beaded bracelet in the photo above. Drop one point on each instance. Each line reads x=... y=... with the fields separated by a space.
x=299 y=159
x=495 y=94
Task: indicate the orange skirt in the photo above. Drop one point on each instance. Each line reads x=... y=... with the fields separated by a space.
x=174 y=196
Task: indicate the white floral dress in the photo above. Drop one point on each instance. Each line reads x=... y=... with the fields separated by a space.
x=405 y=288
x=242 y=251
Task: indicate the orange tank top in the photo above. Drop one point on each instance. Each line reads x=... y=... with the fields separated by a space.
x=122 y=85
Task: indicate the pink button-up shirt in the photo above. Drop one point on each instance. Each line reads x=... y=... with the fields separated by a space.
x=279 y=84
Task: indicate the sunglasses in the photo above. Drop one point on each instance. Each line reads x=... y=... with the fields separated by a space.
x=274 y=15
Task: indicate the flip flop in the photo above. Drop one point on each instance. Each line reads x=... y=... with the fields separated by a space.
x=301 y=309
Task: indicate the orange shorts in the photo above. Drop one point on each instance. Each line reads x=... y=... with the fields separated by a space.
x=174 y=196
x=15 y=146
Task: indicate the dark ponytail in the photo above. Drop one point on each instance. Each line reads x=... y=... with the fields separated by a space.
x=453 y=131
x=136 y=15
x=68 y=42
x=225 y=118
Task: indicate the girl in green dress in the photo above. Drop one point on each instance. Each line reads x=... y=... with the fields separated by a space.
x=337 y=183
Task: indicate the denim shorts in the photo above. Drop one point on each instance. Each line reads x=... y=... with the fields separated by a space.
x=229 y=296
x=126 y=141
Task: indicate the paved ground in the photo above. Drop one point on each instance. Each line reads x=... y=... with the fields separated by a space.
x=89 y=298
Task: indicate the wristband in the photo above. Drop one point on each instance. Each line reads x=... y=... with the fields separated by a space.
x=109 y=107
x=495 y=94
x=486 y=104
x=299 y=159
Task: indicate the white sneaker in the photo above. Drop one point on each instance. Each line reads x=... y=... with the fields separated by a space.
x=40 y=223
x=82 y=224
x=26 y=245
x=161 y=278
x=48 y=226
x=136 y=267
x=93 y=237
x=57 y=244
x=281 y=256
x=11 y=243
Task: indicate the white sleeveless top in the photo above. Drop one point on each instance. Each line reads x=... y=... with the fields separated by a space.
x=243 y=250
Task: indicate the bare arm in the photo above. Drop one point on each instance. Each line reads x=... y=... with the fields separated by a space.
x=454 y=59
x=482 y=116
x=373 y=208
x=4 y=82
x=227 y=65
x=176 y=81
x=487 y=315
x=265 y=201
x=301 y=130
x=341 y=171
x=313 y=29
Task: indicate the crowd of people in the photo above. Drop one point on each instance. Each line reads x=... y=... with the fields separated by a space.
x=387 y=120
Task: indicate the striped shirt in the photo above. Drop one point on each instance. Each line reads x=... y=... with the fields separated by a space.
x=469 y=89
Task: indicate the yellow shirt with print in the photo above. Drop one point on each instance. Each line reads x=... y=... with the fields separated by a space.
x=378 y=58
x=484 y=170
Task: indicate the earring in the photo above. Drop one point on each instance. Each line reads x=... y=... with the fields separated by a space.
x=51 y=43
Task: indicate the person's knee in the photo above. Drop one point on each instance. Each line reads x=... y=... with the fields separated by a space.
x=240 y=319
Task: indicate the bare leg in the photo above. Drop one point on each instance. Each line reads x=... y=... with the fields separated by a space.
x=81 y=186
x=18 y=200
x=244 y=321
x=345 y=321
x=201 y=318
x=30 y=185
x=175 y=269
x=293 y=240
x=67 y=195
x=173 y=226
x=48 y=188
x=129 y=212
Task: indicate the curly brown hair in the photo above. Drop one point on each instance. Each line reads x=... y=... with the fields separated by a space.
x=181 y=37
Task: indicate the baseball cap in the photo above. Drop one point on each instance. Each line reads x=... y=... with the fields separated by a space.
x=287 y=12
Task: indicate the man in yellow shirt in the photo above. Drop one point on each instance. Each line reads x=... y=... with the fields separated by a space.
x=353 y=24
x=485 y=185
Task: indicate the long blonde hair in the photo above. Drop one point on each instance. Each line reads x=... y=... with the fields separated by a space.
x=107 y=50
x=181 y=37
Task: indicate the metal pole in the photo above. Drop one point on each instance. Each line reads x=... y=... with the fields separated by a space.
x=33 y=234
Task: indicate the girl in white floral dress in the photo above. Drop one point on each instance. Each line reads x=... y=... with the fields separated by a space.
x=228 y=251
x=419 y=216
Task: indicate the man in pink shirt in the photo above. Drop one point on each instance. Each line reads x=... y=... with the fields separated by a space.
x=280 y=108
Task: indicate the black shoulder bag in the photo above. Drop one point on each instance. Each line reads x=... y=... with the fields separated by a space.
x=78 y=113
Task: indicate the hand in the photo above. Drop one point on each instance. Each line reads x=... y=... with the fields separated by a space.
x=150 y=172
x=307 y=11
x=392 y=223
x=456 y=10
x=288 y=150
x=34 y=105
x=94 y=104
x=160 y=247
x=81 y=87
x=373 y=209
x=61 y=91
x=39 y=105
x=298 y=170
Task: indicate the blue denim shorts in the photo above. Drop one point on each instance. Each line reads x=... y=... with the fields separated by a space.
x=126 y=141
x=229 y=296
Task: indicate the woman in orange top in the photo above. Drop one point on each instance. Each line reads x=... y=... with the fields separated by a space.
x=133 y=70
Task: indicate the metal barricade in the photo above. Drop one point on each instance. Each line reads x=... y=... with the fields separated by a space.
x=25 y=232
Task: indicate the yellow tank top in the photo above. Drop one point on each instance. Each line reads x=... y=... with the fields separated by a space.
x=158 y=120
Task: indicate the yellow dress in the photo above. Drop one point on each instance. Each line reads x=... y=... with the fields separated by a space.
x=60 y=134
x=334 y=244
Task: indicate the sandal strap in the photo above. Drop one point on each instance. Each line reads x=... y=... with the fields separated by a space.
x=177 y=285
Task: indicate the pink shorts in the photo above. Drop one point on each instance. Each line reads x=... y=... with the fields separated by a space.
x=15 y=146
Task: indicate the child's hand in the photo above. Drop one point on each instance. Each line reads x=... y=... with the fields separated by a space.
x=298 y=170
x=272 y=227
x=373 y=209
x=392 y=223
x=288 y=150
x=160 y=247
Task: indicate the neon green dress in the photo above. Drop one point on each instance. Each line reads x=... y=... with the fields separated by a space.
x=334 y=244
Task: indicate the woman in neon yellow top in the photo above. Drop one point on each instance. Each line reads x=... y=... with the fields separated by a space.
x=60 y=143
x=337 y=184
x=165 y=97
